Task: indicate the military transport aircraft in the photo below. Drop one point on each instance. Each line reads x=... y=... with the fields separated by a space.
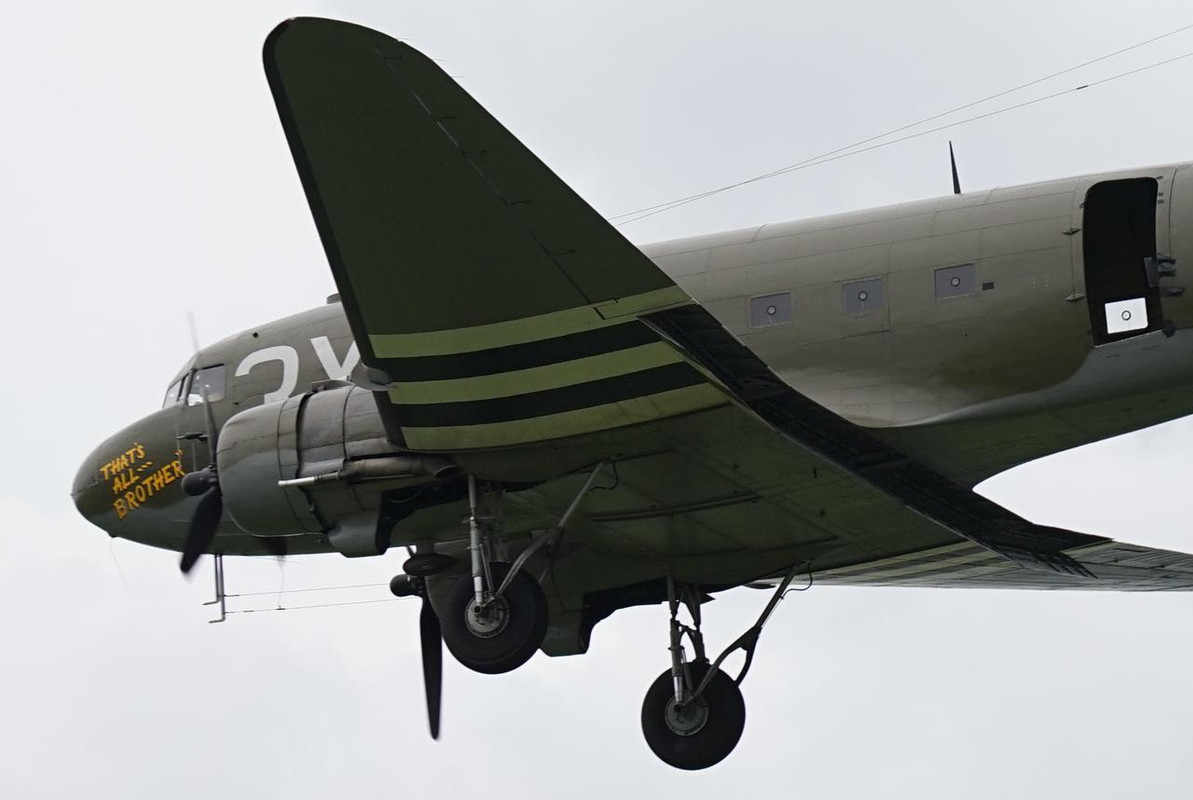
x=559 y=424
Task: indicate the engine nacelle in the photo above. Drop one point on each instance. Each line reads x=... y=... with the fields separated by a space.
x=318 y=463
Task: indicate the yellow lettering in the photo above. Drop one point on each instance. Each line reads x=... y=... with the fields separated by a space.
x=131 y=500
x=150 y=484
x=124 y=463
x=121 y=511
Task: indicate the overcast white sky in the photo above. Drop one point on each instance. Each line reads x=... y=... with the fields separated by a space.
x=143 y=173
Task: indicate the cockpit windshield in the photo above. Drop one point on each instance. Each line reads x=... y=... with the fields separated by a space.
x=208 y=381
x=190 y=387
x=174 y=393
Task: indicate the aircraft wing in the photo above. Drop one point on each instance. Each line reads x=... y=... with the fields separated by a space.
x=498 y=303
x=1118 y=566
x=495 y=309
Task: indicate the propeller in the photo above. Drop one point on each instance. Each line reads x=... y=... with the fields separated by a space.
x=431 y=638
x=430 y=634
x=205 y=485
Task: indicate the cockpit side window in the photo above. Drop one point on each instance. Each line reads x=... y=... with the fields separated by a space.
x=174 y=393
x=209 y=378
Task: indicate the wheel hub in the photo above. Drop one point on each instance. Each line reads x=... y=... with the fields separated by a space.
x=688 y=718
x=485 y=622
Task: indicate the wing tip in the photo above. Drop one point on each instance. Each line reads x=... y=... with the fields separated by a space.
x=325 y=25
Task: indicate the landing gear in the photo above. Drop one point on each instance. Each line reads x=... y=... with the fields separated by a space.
x=498 y=634
x=494 y=622
x=701 y=731
x=495 y=617
x=694 y=714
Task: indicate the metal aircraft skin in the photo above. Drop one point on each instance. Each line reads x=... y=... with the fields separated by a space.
x=806 y=398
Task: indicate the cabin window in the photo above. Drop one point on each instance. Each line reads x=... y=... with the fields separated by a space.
x=956 y=281
x=770 y=309
x=210 y=379
x=861 y=297
x=173 y=394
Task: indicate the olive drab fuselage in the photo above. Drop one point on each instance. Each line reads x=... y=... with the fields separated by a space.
x=959 y=328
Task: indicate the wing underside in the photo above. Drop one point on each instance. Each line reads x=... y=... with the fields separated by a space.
x=1118 y=566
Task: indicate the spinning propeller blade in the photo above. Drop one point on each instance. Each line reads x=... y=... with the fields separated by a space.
x=432 y=651
x=211 y=505
x=203 y=527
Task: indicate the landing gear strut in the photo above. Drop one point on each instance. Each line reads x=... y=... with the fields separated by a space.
x=495 y=618
x=495 y=621
x=693 y=714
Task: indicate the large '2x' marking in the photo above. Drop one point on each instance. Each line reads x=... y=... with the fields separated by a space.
x=287 y=356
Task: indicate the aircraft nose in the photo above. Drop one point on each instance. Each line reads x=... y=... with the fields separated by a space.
x=130 y=486
x=86 y=490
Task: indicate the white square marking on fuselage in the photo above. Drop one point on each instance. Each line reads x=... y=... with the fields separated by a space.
x=1126 y=315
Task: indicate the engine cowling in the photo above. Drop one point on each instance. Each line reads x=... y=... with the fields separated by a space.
x=319 y=463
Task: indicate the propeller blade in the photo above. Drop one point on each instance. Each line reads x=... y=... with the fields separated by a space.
x=203 y=526
x=194 y=330
x=432 y=647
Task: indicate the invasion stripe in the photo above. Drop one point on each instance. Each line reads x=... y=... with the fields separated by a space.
x=523 y=329
x=520 y=356
x=943 y=566
x=567 y=423
x=961 y=548
x=536 y=379
x=549 y=401
x=952 y=576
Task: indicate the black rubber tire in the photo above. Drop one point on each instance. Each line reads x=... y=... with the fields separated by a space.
x=707 y=746
x=512 y=646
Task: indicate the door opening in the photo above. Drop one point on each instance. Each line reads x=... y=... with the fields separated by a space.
x=1119 y=242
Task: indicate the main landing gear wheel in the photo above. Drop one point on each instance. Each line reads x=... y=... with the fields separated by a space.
x=701 y=732
x=504 y=634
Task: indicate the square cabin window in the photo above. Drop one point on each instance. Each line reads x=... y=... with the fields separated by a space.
x=861 y=297
x=770 y=309
x=956 y=281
